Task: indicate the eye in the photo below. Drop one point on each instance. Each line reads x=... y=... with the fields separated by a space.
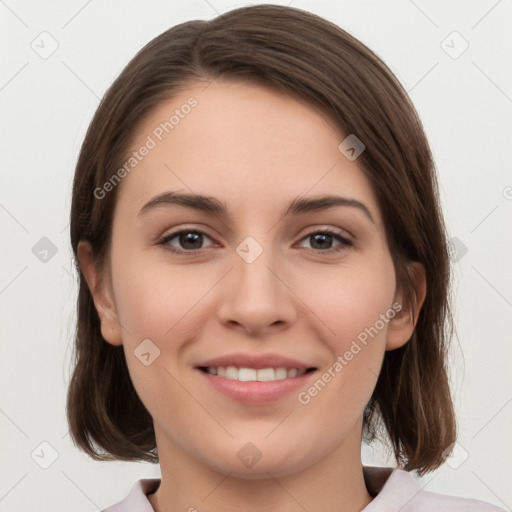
x=323 y=239
x=189 y=239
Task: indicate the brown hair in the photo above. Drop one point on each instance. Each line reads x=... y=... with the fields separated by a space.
x=316 y=61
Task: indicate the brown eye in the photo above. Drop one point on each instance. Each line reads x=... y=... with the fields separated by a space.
x=188 y=240
x=322 y=241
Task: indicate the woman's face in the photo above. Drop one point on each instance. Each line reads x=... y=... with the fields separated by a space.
x=270 y=287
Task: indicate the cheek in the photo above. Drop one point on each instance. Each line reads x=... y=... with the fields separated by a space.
x=160 y=304
x=354 y=307
x=159 y=301
x=349 y=299
x=167 y=305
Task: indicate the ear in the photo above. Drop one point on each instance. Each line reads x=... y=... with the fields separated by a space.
x=101 y=293
x=401 y=326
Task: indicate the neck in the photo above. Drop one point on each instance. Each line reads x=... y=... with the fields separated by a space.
x=334 y=483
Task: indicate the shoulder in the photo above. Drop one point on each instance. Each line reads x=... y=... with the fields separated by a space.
x=401 y=491
x=137 y=497
x=432 y=501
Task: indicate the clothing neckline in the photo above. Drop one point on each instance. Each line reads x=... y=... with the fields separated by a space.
x=390 y=489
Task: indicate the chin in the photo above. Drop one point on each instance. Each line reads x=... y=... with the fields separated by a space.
x=252 y=464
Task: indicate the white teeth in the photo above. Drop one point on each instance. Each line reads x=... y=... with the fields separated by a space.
x=281 y=373
x=231 y=373
x=247 y=374
x=266 y=374
x=251 y=374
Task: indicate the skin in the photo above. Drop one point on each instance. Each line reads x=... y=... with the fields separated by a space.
x=255 y=149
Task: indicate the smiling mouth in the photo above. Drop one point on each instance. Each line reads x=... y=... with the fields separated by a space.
x=254 y=375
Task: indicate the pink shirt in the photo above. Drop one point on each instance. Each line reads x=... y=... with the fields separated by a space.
x=394 y=490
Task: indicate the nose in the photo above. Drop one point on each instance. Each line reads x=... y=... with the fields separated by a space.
x=256 y=297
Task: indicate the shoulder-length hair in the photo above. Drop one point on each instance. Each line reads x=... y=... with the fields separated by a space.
x=315 y=61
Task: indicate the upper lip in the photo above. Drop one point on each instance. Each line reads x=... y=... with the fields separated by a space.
x=257 y=362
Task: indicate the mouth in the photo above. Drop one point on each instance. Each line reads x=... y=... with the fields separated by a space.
x=250 y=378
x=253 y=382
x=243 y=374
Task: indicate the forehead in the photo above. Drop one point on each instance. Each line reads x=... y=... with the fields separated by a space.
x=243 y=143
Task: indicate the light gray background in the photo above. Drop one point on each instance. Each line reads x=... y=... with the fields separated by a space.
x=47 y=104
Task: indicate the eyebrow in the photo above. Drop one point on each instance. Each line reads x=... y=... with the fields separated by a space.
x=215 y=206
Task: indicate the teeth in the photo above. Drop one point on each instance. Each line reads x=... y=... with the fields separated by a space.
x=251 y=375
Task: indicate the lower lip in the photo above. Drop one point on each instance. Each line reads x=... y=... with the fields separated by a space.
x=256 y=392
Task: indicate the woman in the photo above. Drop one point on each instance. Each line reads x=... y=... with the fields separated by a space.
x=312 y=306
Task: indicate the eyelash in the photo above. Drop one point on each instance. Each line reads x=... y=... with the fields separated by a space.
x=345 y=243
